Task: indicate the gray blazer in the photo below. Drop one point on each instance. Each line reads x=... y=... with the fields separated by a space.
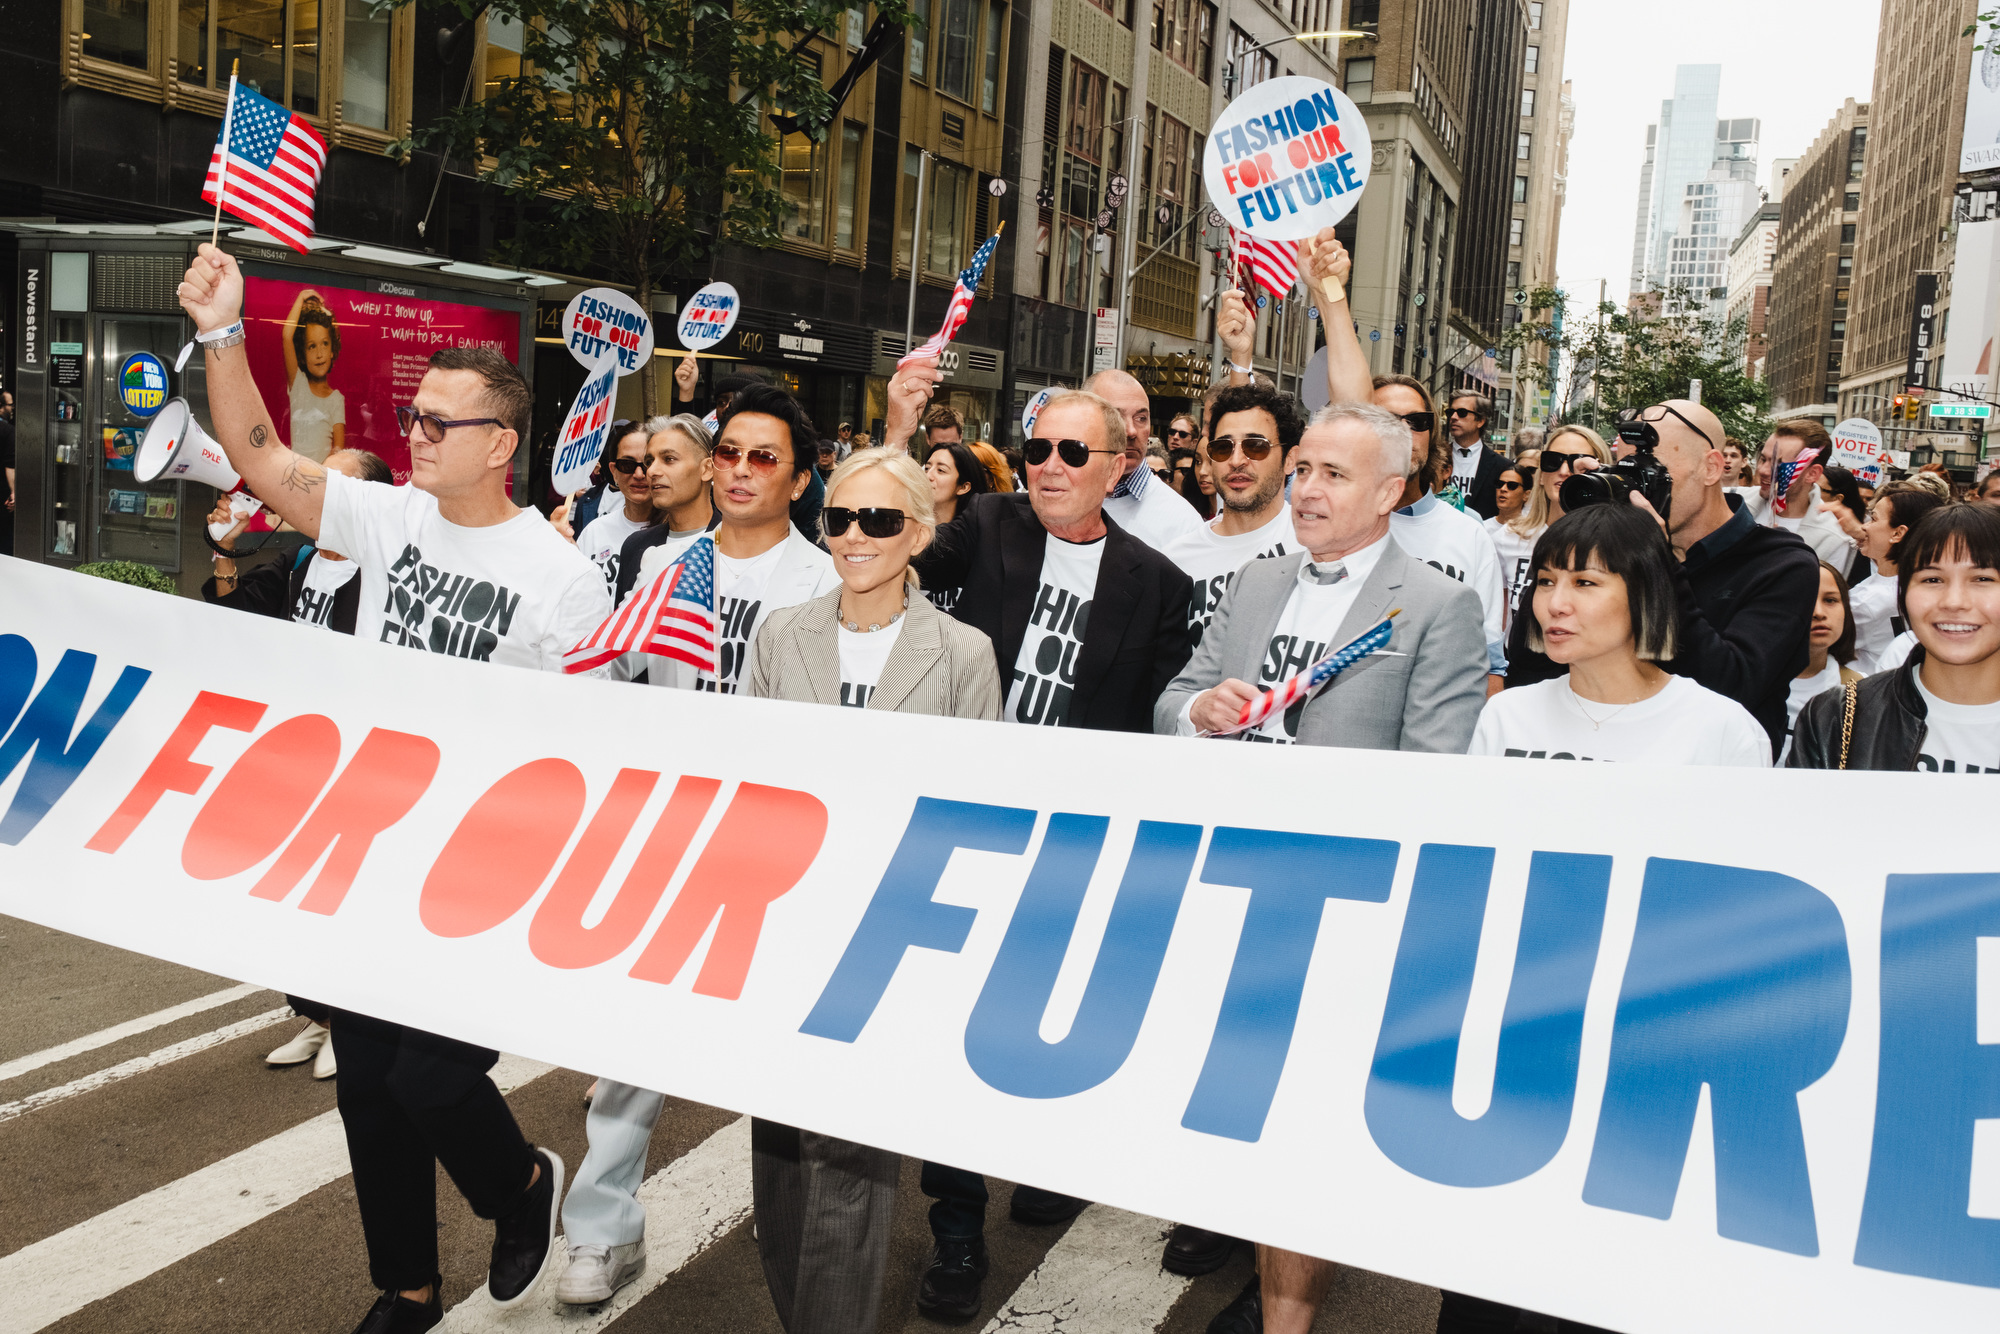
x=939 y=666
x=1427 y=700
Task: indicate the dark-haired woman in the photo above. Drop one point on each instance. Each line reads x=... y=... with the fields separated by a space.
x=1829 y=648
x=1840 y=499
x=1604 y=607
x=955 y=476
x=1940 y=711
x=319 y=411
x=1897 y=508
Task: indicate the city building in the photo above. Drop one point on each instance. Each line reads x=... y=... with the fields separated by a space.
x=1806 y=318
x=1699 y=188
x=1534 y=227
x=1749 y=274
x=1498 y=146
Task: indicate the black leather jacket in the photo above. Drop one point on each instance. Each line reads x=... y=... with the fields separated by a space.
x=1889 y=724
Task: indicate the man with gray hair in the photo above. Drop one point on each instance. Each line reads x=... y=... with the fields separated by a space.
x=1282 y=614
x=1149 y=511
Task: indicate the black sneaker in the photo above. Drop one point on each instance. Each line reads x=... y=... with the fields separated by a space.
x=1245 y=1315
x=1038 y=1207
x=1194 y=1251
x=393 y=1314
x=949 y=1290
x=524 y=1239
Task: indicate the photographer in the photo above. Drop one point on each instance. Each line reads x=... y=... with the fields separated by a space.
x=1746 y=592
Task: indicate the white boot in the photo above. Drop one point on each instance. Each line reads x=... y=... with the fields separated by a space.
x=323 y=1067
x=595 y=1272
x=301 y=1048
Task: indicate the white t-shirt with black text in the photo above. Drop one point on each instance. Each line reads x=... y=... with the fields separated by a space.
x=1044 y=676
x=1805 y=688
x=739 y=610
x=1464 y=467
x=604 y=537
x=1450 y=540
x=1682 y=724
x=324 y=578
x=1958 y=738
x=1514 y=552
x=1212 y=560
x=512 y=592
x=863 y=655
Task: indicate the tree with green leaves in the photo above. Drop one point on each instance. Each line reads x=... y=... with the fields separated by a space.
x=636 y=129
x=1613 y=359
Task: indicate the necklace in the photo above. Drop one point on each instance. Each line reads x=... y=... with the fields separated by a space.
x=873 y=625
x=1596 y=724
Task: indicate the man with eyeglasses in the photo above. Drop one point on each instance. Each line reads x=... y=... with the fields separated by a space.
x=448 y=565
x=1475 y=467
x=1148 y=511
x=1746 y=591
x=1255 y=429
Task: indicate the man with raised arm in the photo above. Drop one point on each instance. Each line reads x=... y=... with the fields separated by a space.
x=448 y=565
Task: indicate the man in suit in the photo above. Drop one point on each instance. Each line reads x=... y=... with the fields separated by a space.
x=1153 y=514
x=1475 y=467
x=1285 y=612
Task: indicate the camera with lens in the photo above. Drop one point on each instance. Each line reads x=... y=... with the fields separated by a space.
x=1641 y=473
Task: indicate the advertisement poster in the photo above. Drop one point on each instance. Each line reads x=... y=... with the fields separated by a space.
x=120 y=444
x=333 y=363
x=1979 y=151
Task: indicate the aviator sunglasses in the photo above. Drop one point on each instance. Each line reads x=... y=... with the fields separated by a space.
x=762 y=461
x=1255 y=447
x=874 y=522
x=1075 y=453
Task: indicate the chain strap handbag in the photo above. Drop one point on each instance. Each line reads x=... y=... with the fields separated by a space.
x=1847 y=719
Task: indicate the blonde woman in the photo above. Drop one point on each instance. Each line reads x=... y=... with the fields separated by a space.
x=1514 y=539
x=824 y=1206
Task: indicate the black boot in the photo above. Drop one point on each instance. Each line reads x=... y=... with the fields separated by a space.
x=1245 y=1315
x=394 y=1314
x=949 y=1290
x=1038 y=1207
x=1195 y=1251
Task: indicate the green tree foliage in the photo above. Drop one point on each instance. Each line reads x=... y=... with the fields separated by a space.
x=128 y=572
x=1610 y=359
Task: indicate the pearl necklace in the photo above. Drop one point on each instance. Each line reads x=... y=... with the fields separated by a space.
x=874 y=626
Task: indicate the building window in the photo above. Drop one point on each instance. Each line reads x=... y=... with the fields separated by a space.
x=364 y=66
x=1252 y=67
x=116 y=30
x=1852 y=204
x=503 y=54
x=1513 y=275
x=1520 y=189
x=852 y=135
x=954 y=77
x=1527 y=102
x=1854 y=169
x=1523 y=145
x=1534 y=61
x=276 y=47
x=1204 y=41
x=989 y=77
x=920 y=43
x=1837 y=331
x=1845 y=269
x=802 y=180
x=946 y=229
x=1361 y=79
x=1534 y=15
x=1086 y=111
x=1847 y=233
x=1515 y=226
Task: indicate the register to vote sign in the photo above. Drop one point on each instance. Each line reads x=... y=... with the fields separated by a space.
x=1287 y=158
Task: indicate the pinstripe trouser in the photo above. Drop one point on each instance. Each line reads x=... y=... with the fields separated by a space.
x=824 y=1208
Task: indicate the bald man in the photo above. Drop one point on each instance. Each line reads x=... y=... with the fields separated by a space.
x=1746 y=591
x=1143 y=506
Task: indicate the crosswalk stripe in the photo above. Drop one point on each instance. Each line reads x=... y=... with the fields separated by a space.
x=691 y=1204
x=139 y=1065
x=64 y=1273
x=1103 y=1277
x=104 y=1037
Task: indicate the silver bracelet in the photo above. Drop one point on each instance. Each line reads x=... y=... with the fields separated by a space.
x=227 y=340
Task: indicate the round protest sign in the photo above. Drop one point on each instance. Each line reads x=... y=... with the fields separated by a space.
x=710 y=315
x=1034 y=410
x=1287 y=158
x=1857 y=446
x=581 y=442
x=602 y=320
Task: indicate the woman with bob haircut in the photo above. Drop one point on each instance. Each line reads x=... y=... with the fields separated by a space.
x=1829 y=648
x=1602 y=604
x=824 y=1206
x=1939 y=712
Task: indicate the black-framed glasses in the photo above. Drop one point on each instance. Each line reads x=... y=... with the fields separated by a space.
x=762 y=461
x=1176 y=430
x=434 y=425
x=1635 y=425
x=1554 y=460
x=1419 y=421
x=1255 y=447
x=834 y=521
x=1509 y=486
x=1075 y=453
x=1463 y=412
x=626 y=467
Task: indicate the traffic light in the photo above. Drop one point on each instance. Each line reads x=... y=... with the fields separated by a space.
x=1896 y=408
x=1912 y=405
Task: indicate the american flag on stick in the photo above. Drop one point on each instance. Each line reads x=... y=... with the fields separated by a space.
x=671 y=615
x=1295 y=688
x=266 y=166
x=1273 y=265
x=961 y=301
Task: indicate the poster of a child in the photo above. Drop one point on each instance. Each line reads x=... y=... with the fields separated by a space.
x=311 y=342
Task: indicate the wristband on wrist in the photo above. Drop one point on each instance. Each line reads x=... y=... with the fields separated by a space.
x=1242 y=370
x=217 y=335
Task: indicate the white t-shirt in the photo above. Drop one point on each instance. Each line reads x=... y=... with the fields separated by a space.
x=1874 y=604
x=1895 y=655
x=863 y=654
x=511 y=592
x=1806 y=688
x=313 y=419
x=1683 y=724
x=1453 y=541
x=1514 y=552
x=1958 y=738
x=1464 y=467
x=739 y=609
x=1038 y=691
x=1212 y=560
x=1156 y=516
x=324 y=578
x=604 y=537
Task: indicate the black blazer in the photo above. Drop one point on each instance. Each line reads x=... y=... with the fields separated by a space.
x=1484 y=497
x=271 y=589
x=1137 y=640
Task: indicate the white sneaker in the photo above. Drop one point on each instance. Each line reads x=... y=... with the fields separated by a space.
x=301 y=1048
x=323 y=1067
x=595 y=1272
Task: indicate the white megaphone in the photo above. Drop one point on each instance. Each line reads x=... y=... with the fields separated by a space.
x=176 y=449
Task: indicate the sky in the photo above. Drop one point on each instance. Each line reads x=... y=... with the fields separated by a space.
x=1789 y=65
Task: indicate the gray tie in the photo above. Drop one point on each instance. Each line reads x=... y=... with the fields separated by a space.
x=1323 y=575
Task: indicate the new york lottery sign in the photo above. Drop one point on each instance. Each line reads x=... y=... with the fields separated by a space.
x=1287 y=158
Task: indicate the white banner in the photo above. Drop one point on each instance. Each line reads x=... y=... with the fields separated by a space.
x=1614 y=1047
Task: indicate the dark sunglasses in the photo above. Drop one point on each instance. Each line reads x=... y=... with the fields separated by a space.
x=762 y=461
x=1463 y=412
x=1175 y=430
x=1554 y=460
x=1509 y=486
x=626 y=467
x=1419 y=421
x=874 y=522
x=1255 y=447
x=1075 y=453
x=434 y=425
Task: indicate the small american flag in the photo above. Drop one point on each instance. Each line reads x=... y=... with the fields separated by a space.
x=671 y=616
x=1295 y=688
x=266 y=166
x=1785 y=473
x=961 y=301
x=1273 y=265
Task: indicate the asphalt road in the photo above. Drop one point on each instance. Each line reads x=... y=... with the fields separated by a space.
x=156 y=1175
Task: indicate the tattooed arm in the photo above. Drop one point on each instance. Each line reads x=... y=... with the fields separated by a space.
x=291 y=484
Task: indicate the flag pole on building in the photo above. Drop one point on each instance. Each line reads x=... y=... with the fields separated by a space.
x=222 y=168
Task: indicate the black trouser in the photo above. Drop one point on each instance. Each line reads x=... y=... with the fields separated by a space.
x=310 y=1009
x=410 y=1100
x=1460 y=1314
x=960 y=1195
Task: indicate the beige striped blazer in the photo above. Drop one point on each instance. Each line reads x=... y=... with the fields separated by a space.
x=939 y=666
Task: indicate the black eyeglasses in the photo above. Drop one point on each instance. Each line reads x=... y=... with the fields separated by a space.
x=874 y=522
x=1255 y=447
x=1509 y=486
x=762 y=461
x=1635 y=425
x=1463 y=412
x=626 y=467
x=1075 y=453
x=1175 y=430
x=1419 y=421
x=434 y=425
x=1554 y=460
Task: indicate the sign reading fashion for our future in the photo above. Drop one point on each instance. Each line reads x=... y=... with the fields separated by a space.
x=1288 y=157
x=1650 y=1071
x=710 y=315
x=604 y=320
x=580 y=443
